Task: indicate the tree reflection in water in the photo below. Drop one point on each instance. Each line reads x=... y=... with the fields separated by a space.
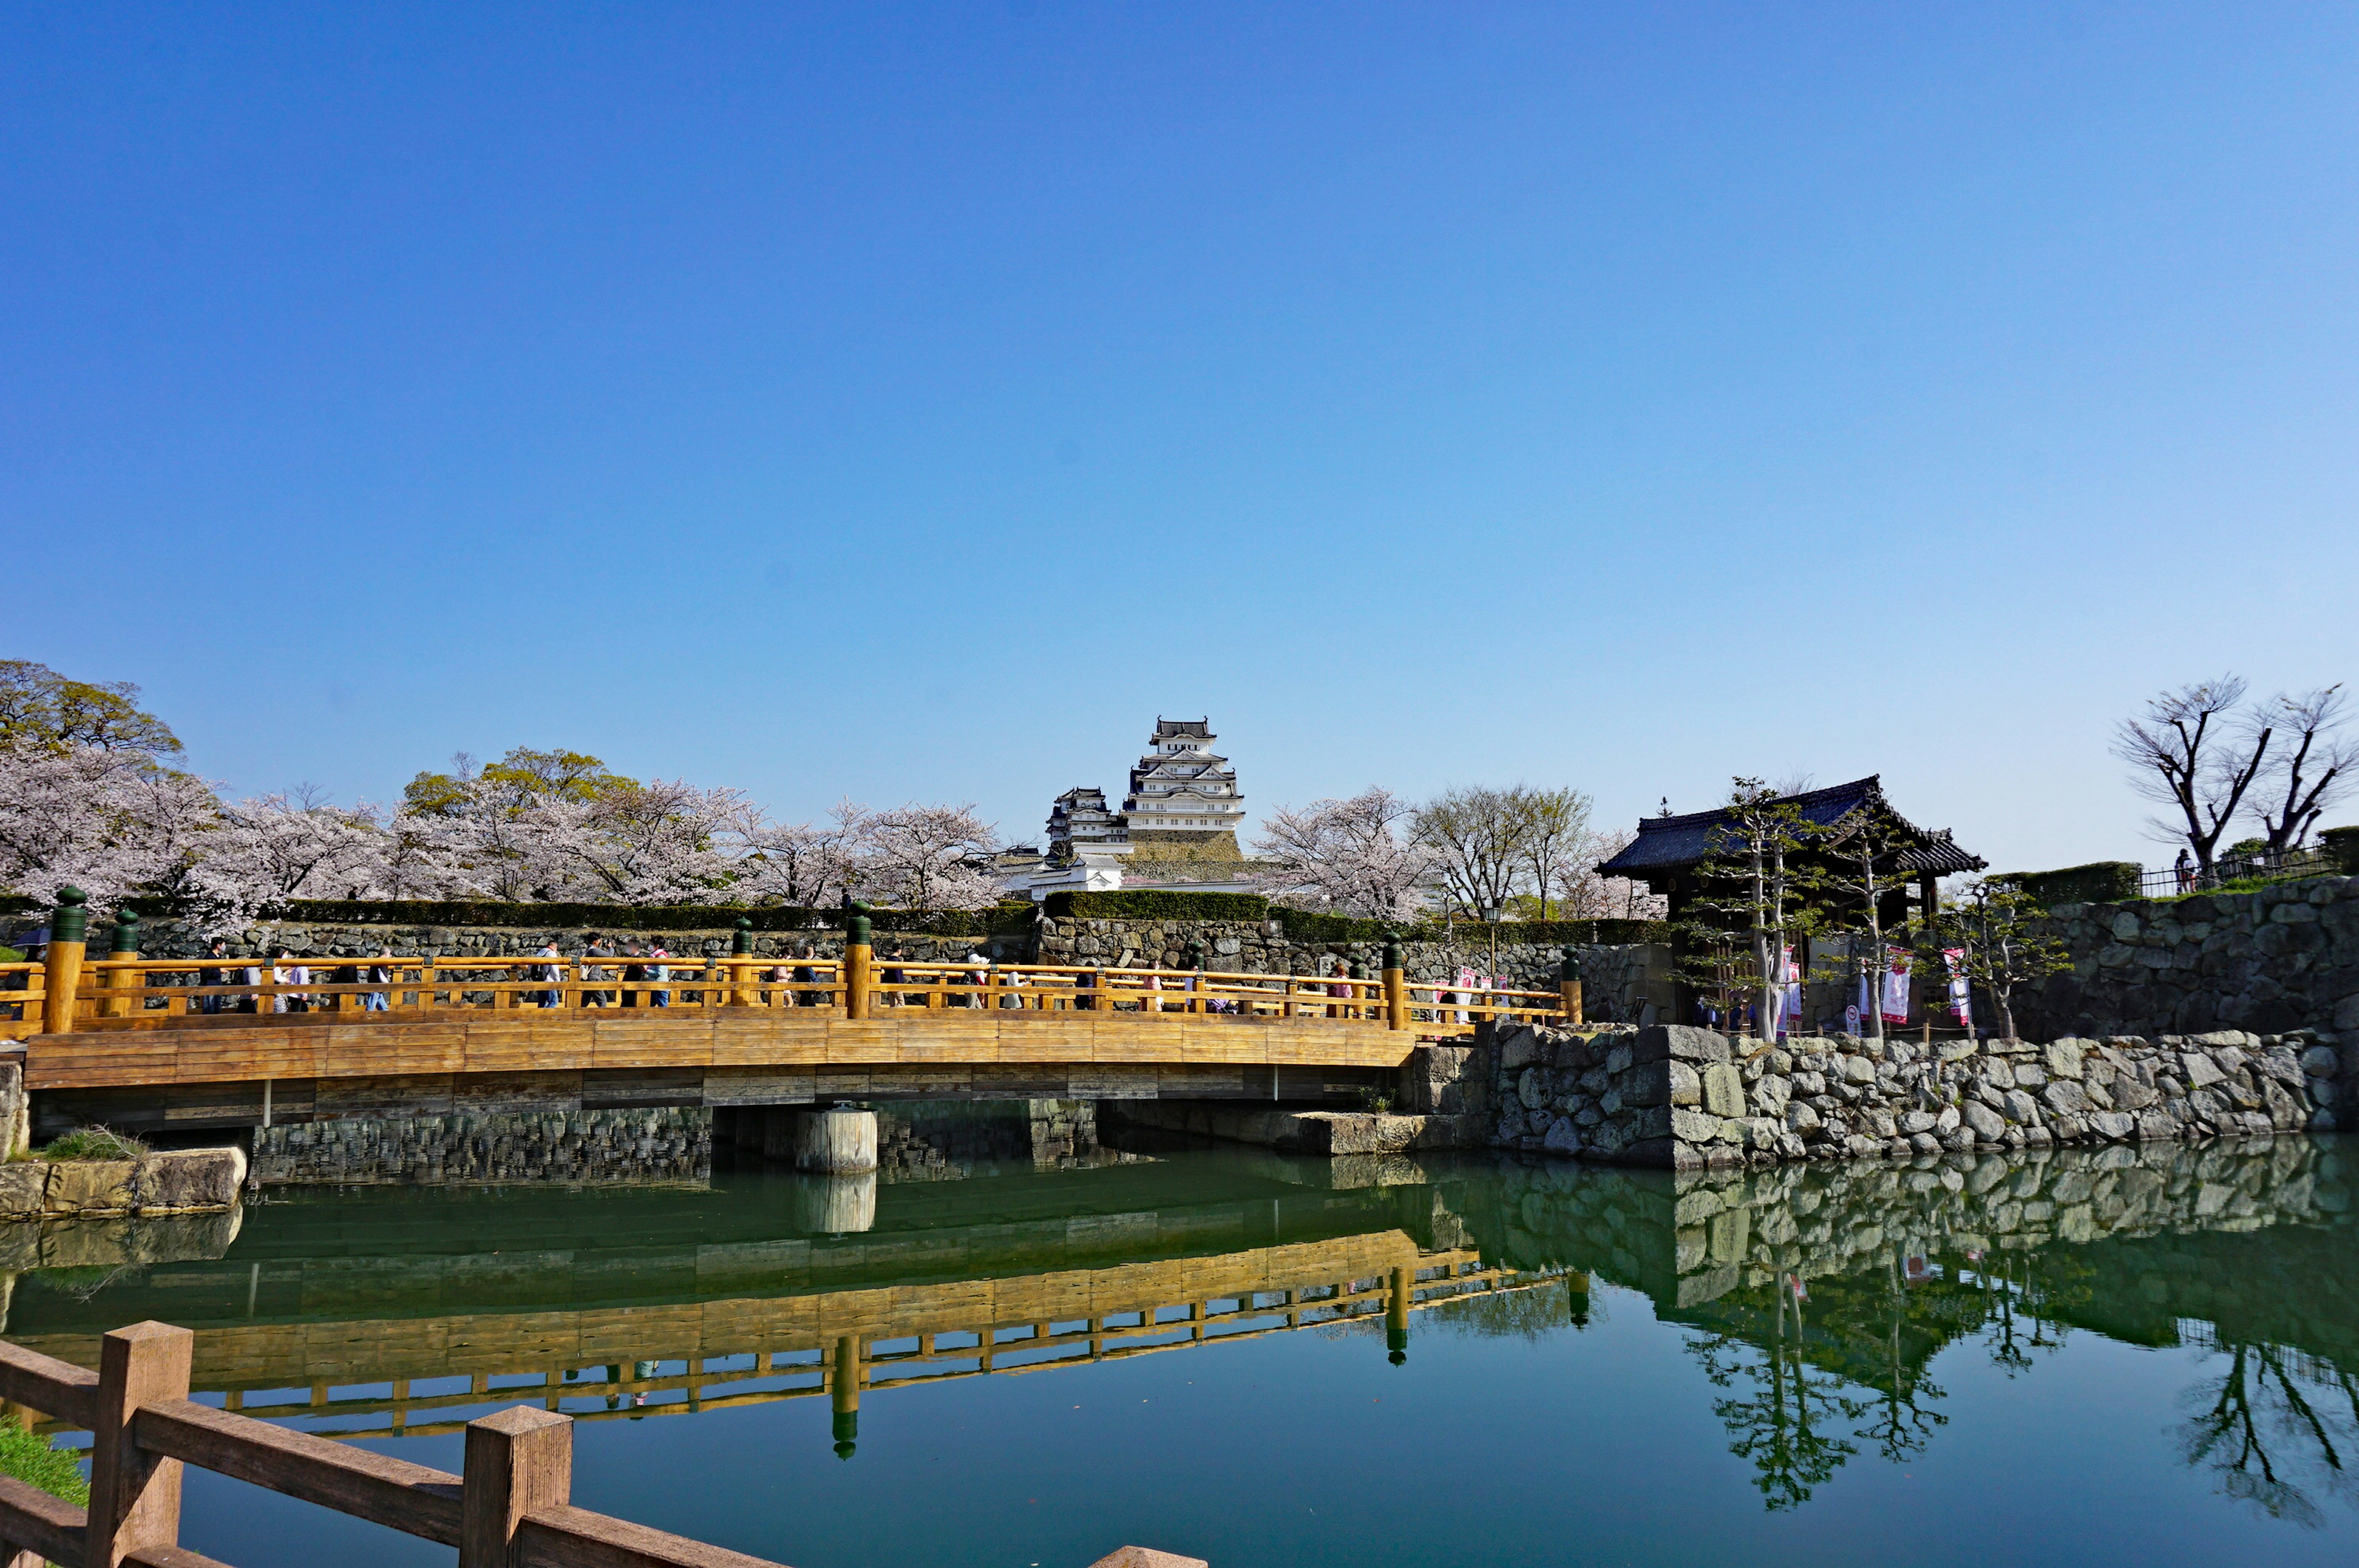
x=2271 y=1395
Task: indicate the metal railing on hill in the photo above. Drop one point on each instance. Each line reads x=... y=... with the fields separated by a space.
x=2237 y=866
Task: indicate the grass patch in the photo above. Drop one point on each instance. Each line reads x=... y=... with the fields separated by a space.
x=37 y=1462
x=94 y=1144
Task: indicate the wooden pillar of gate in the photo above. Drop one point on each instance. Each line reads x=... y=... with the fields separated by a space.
x=1568 y=986
x=62 y=981
x=124 y=945
x=1395 y=988
x=859 y=964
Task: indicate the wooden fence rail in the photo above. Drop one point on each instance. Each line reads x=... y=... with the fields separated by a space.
x=512 y=1508
x=72 y=992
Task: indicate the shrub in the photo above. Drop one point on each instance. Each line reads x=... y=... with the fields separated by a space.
x=2343 y=849
x=37 y=1462
x=1158 y=904
x=2099 y=882
x=94 y=1143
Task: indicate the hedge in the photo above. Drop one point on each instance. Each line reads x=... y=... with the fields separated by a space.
x=1158 y=904
x=1002 y=920
x=2343 y=849
x=2099 y=882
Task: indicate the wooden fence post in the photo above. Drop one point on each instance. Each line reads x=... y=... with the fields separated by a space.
x=1396 y=987
x=517 y=1462
x=134 y=1496
x=859 y=962
x=63 y=980
x=1568 y=985
x=741 y=947
x=124 y=945
x=1396 y=1305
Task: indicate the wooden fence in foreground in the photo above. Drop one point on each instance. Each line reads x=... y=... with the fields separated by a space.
x=511 y=1508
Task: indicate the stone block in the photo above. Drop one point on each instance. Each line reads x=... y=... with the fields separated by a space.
x=2200 y=1071
x=2112 y=1124
x=1563 y=1137
x=1987 y=1124
x=189 y=1178
x=87 y=1186
x=2062 y=1059
x=1680 y=1041
x=1694 y=1126
x=24 y=1188
x=1723 y=1090
x=1517 y=1047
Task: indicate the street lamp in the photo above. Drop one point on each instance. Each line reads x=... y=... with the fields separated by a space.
x=1491 y=915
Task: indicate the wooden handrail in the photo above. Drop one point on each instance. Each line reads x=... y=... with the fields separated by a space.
x=511 y=1506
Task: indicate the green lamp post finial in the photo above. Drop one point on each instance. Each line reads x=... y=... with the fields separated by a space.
x=858 y=930
x=741 y=945
x=1571 y=970
x=127 y=931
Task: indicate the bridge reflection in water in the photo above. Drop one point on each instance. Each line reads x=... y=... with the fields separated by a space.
x=1815 y=1300
x=381 y=1311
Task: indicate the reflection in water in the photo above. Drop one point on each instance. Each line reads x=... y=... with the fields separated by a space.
x=1812 y=1303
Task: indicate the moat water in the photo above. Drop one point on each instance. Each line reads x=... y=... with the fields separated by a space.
x=2145 y=1356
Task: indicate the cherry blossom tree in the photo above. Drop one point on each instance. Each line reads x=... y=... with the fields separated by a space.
x=800 y=865
x=105 y=819
x=654 y=843
x=274 y=848
x=1351 y=857
x=926 y=857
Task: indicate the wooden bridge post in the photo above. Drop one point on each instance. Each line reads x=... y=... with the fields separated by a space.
x=859 y=962
x=741 y=948
x=1358 y=989
x=844 y=1395
x=124 y=945
x=134 y=1495
x=1396 y=1315
x=68 y=924
x=1396 y=987
x=517 y=1462
x=1569 y=989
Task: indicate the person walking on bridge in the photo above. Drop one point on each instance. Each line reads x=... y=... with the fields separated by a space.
x=550 y=973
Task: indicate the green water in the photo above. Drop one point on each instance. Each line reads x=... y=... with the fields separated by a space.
x=2141 y=1355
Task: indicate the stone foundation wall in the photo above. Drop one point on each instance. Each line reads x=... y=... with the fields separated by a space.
x=1688 y=1097
x=638 y=1146
x=2280 y=960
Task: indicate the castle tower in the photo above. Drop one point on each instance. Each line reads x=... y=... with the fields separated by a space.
x=1183 y=801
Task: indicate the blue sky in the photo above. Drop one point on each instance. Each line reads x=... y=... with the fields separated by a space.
x=914 y=401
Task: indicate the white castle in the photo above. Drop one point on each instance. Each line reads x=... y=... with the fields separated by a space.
x=1183 y=807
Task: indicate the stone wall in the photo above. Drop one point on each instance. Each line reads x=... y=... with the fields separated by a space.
x=1688 y=1097
x=2271 y=962
x=637 y=1147
x=178 y=1181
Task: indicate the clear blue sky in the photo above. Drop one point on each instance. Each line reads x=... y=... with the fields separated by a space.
x=915 y=401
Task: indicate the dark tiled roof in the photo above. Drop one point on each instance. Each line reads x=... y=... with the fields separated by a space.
x=1167 y=728
x=1665 y=843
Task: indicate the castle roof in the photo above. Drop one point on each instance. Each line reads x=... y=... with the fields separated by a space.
x=1674 y=843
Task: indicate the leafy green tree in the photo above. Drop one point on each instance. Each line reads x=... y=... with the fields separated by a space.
x=42 y=707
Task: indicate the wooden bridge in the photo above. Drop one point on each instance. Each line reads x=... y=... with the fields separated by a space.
x=181 y=1043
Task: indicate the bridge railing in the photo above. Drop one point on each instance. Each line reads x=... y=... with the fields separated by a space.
x=513 y=1504
x=128 y=993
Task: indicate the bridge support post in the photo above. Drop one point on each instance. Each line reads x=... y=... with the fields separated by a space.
x=1396 y=1315
x=1569 y=989
x=124 y=945
x=859 y=964
x=1395 y=988
x=843 y=1395
x=68 y=925
x=841 y=1141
